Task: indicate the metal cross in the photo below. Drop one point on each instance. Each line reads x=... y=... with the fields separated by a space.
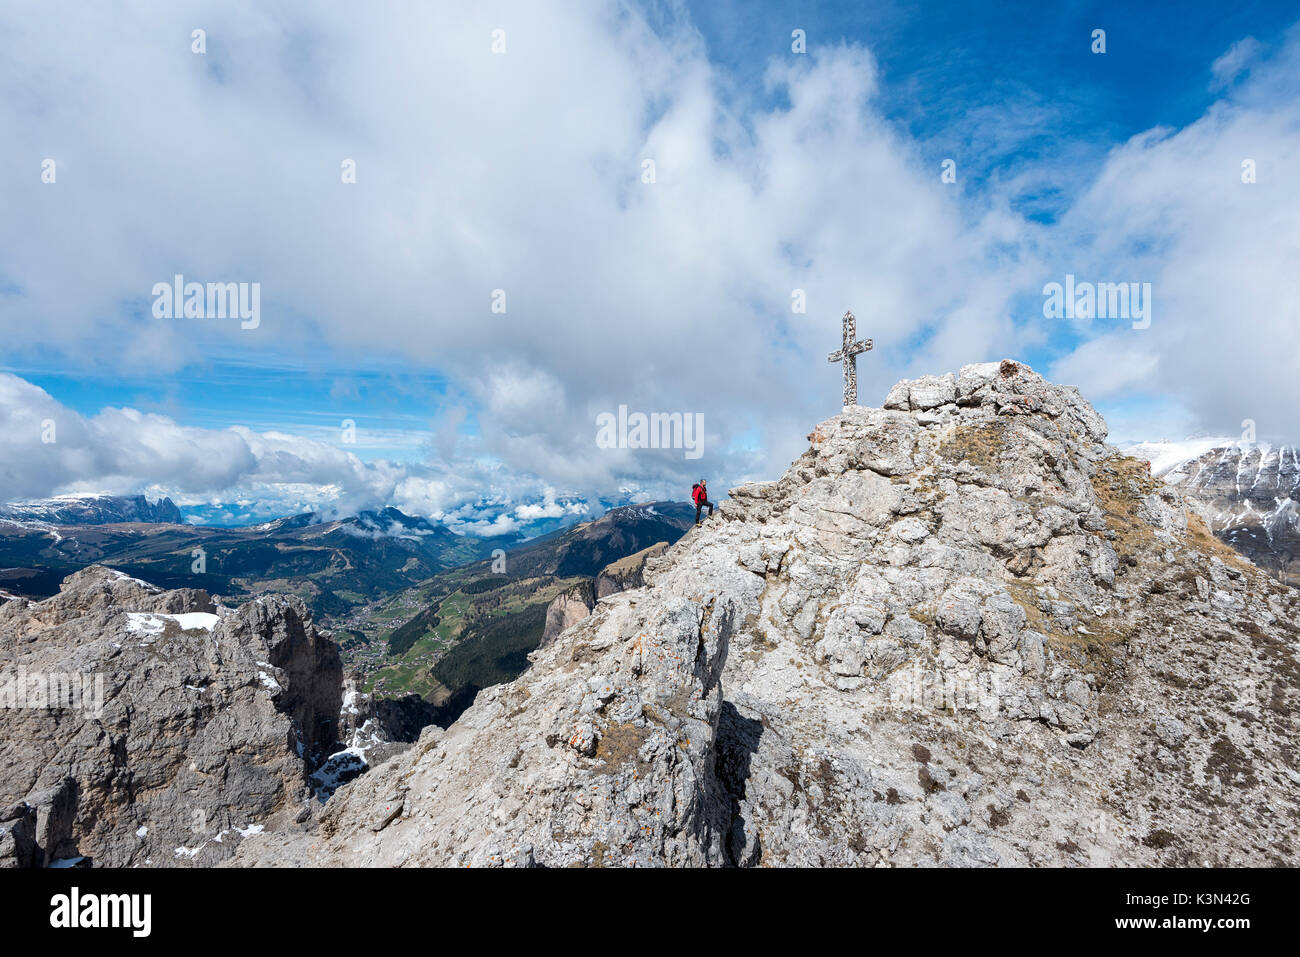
x=848 y=354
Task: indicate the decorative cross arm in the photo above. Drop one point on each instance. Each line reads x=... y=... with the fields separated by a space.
x=847 y=353
x=856 y=348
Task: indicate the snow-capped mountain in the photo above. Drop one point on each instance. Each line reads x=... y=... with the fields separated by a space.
x=94 y=510
x=1251 y=494
x=378 y=523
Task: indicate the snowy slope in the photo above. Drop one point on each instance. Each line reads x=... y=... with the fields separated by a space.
x=93 y=510
x=1251 y=493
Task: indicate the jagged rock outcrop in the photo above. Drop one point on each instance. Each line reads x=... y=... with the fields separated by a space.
x=576 y=602
x=960 y=630
x=141 y=726
x=601 y=752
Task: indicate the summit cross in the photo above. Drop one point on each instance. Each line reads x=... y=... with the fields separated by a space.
x=848 y=354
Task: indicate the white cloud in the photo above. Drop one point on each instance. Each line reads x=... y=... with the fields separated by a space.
x=521 y=172
x=238 y=474
x=549 y=508
x=1170 y=208
x=1234 y=61
x=477 y=172
x=51 y=448
x=501 y=525
x=1107 y=366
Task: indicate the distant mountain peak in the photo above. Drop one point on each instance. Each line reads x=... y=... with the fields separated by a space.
x=1249 y=494
x=94 y=509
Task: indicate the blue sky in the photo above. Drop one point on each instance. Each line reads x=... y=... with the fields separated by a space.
x=941 y=60
x=390 y=406
x=522 y=170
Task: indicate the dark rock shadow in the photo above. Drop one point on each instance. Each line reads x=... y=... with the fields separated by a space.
x=737 y=743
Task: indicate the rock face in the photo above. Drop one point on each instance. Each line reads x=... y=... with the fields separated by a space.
x=626 y=573
x=141 y=726
x=960 y=630
x=1252 y=499
x=568 y=608
x=576 y=603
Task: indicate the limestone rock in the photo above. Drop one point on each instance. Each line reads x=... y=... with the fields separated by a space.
x=567 y=609
x=166 y=727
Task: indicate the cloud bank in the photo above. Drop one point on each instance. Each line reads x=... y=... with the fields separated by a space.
x=520 y=178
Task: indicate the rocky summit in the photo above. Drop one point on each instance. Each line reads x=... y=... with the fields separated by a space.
x=960 y=630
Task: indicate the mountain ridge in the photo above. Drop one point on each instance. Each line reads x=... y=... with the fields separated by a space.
x=68 y=510
x=1249 y=494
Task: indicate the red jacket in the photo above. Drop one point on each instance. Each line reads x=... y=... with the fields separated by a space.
x=700 y=494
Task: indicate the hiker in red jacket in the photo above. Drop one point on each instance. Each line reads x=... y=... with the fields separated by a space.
x=700 y=494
